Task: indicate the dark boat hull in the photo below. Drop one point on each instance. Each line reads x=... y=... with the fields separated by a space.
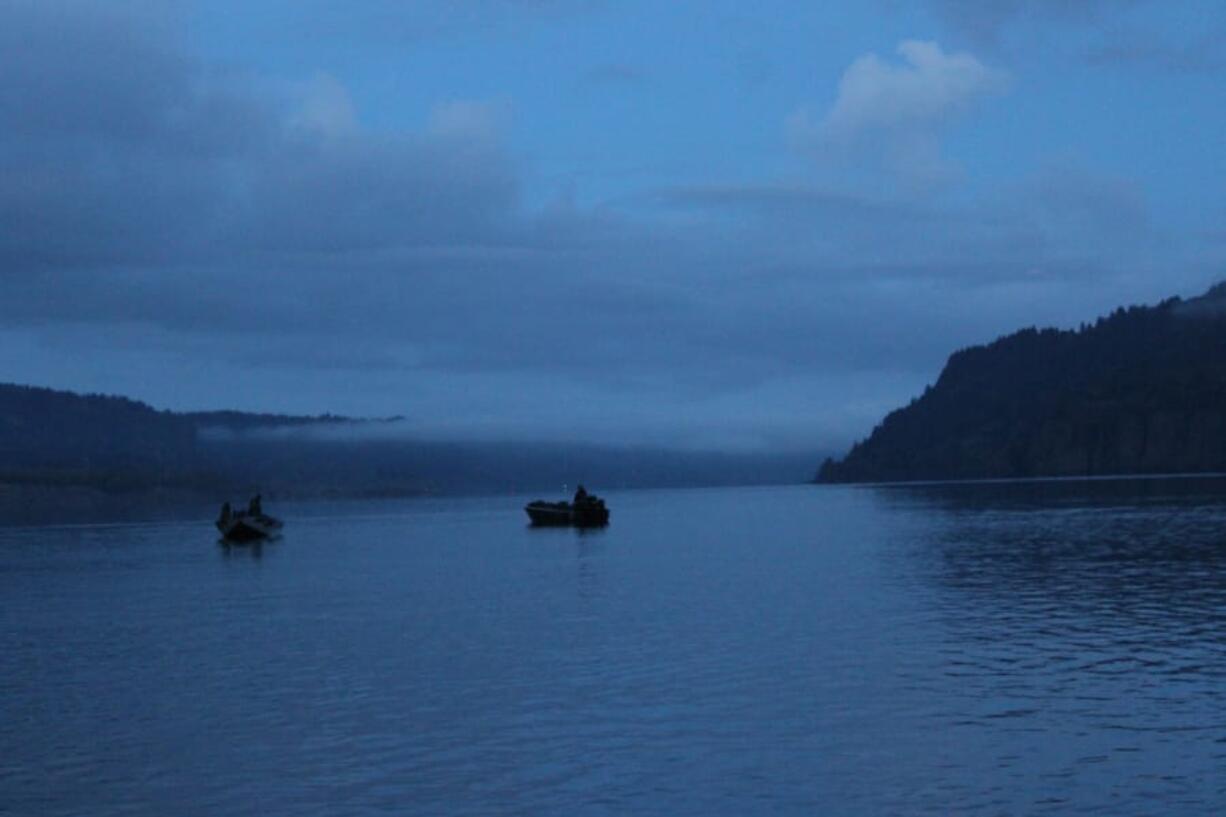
x=246 y=528
x=564 y=514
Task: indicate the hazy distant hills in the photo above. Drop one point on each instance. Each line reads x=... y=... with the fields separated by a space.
x=1140 y=391
x=55 y=444
x=59 y=438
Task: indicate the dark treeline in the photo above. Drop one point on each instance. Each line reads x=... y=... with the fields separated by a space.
x=50 y=437
x=1140 y=391
x=57 y=437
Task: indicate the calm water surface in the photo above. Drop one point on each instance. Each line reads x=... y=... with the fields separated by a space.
x=989 y=649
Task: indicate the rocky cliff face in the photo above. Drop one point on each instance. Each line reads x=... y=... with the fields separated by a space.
x=1140 y=391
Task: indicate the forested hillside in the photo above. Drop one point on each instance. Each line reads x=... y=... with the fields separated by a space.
x=60 y=438
x=1140 y=391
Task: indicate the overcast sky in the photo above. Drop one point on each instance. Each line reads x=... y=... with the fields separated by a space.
x=716 y=223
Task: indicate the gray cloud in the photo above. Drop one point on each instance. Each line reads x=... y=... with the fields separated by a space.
x=117 y=151
x=1129 y=47
x=331 y=28
x=1110 y=34
x=110 y=144
x=985 y=20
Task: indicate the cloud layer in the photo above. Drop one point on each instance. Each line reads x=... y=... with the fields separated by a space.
x=201 y=234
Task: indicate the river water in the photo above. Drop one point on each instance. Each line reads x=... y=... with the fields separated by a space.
x=979 y=649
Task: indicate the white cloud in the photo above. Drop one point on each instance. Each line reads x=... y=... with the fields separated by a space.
x=930 y=86
x=893 y=113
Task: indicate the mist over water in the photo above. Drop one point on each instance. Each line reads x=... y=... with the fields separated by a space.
x=981 y=649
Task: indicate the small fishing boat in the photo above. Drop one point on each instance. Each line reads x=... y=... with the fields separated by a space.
x=587 y=511
x=251 y=525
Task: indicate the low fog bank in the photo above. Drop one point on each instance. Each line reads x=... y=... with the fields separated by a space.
x=70 y=457
x=294 y=466
x=694 y=437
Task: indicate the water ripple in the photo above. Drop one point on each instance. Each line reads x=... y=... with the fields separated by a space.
x=789 y=651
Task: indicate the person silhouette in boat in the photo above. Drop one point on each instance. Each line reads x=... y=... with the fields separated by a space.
x=580 y=496
x=254 y=507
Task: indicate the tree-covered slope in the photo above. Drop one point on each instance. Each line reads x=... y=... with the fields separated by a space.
x=1140 y=391
x=61 y=438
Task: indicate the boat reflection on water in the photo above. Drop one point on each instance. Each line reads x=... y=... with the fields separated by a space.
x=241 y=550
